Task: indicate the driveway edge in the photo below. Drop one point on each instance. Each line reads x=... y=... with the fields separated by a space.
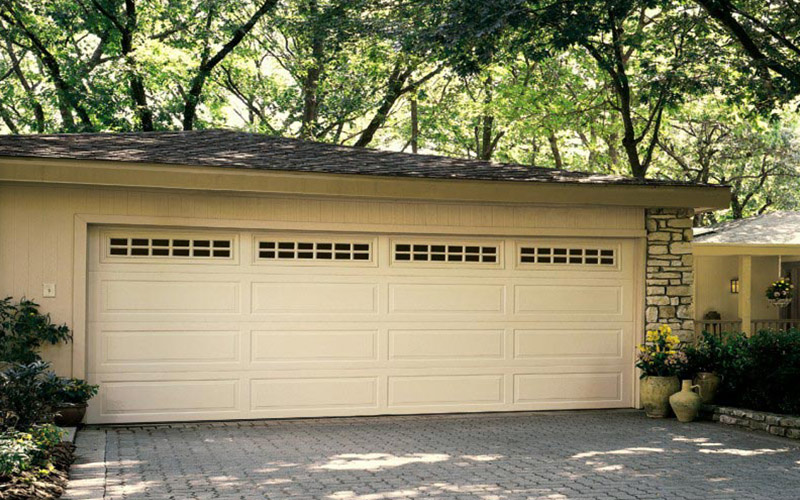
x=87 y=476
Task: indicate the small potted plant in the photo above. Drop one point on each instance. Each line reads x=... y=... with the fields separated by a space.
x=780 y=292
x=73 y=395
x=704 y=358
x=660 y=360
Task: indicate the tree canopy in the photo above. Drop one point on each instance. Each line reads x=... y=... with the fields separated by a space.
x=699 y=90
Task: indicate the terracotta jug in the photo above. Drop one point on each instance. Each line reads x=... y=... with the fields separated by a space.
x=686 y=403
x=708 y=384
x=655 y=393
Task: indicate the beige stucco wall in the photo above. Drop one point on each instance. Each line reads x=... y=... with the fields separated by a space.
x=38 y=226
x=712 y=286
x=713 y=276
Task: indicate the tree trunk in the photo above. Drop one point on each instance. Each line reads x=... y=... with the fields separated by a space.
x=394 y=90
x=414 y=124
x=554 y=148
x=308 y=124
x=192 y=98
x=136 y=82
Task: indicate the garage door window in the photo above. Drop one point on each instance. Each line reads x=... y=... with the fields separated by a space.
x=325 y=251
x=161 y=247
x=568 y=256
x=446 y=253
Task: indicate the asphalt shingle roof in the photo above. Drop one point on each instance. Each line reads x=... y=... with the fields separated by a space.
x=777 y=228
x=232 y=149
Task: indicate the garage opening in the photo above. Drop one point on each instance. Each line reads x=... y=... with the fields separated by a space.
x=205 y=325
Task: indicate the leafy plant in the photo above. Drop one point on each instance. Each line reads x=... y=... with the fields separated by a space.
x=780 y=290
x=660 y=355
x=705 y=355
x=75 y=391
x=761 y=372
x=23 y=330
x=28 y=451
x=28 y=393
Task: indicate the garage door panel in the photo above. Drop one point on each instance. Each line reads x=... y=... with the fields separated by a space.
x=314 y=393
x=554 y=387
x=458 y=298
x=452 y=344
x=445 y=390
x=136 y=347
x=169 y=297
x=313 y=346
x=166 y=397
x=315 y=298
x=569 y=299
x=586 y=342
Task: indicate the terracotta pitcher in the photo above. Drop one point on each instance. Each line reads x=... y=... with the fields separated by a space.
x=686 y=403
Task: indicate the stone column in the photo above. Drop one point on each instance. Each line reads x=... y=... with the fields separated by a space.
x=670 y=270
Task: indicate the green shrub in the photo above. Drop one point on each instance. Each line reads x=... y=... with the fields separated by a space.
x=23 y=330
x=761 y=372
x=28 y=393
x=75 y=391
x=28 y=451
x=704 y=355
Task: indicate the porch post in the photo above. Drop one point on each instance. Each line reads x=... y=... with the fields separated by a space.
x=746 y=293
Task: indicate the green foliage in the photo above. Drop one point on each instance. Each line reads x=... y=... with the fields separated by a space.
x=761 y=372
x=23 y=330
x=782 y=289
x=705 y=355
x=28 y=451
x=28 y=394
x=75 y=391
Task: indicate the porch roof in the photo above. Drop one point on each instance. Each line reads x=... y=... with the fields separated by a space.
x=778 y=228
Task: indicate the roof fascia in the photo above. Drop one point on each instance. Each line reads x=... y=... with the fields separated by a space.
x=203 y=178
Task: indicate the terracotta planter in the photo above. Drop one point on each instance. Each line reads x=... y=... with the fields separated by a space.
x=655 y=393
x=686 y=403
x=707 y=383
x=70 y=415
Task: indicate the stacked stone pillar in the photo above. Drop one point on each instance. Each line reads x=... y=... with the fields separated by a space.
x=670 y=277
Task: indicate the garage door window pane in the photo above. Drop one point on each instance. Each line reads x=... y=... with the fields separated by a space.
x=568 y=256
x=313 y=251
x=168 y=247
x=437 y=252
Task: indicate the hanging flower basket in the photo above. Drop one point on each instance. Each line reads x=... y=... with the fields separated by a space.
x=780 y=302
x=780 y=293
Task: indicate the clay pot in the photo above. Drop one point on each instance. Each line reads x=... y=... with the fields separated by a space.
x=655 y=393
x=69 y=415
x=686 y=403
x=707 y=384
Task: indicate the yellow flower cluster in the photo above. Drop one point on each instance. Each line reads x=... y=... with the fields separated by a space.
x=662 y=336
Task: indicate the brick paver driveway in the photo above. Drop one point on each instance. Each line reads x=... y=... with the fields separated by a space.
x=554 y=455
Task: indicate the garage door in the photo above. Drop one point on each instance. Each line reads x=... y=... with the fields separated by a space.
x=200 y=325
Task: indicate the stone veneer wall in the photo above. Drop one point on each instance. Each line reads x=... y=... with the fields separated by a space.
x=670 y=277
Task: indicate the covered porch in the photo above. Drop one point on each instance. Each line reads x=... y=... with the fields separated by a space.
x=735 y=263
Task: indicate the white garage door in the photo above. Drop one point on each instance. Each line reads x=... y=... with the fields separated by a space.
x=199 y=325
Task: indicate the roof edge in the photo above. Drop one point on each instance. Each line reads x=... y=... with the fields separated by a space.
x=205 y=178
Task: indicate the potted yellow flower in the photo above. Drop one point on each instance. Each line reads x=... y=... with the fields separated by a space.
x=660 y=360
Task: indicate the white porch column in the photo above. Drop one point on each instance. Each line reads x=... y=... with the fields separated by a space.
x=746 y=293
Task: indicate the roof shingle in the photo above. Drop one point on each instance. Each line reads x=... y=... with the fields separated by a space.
x=232 y=149
x=777 y=228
